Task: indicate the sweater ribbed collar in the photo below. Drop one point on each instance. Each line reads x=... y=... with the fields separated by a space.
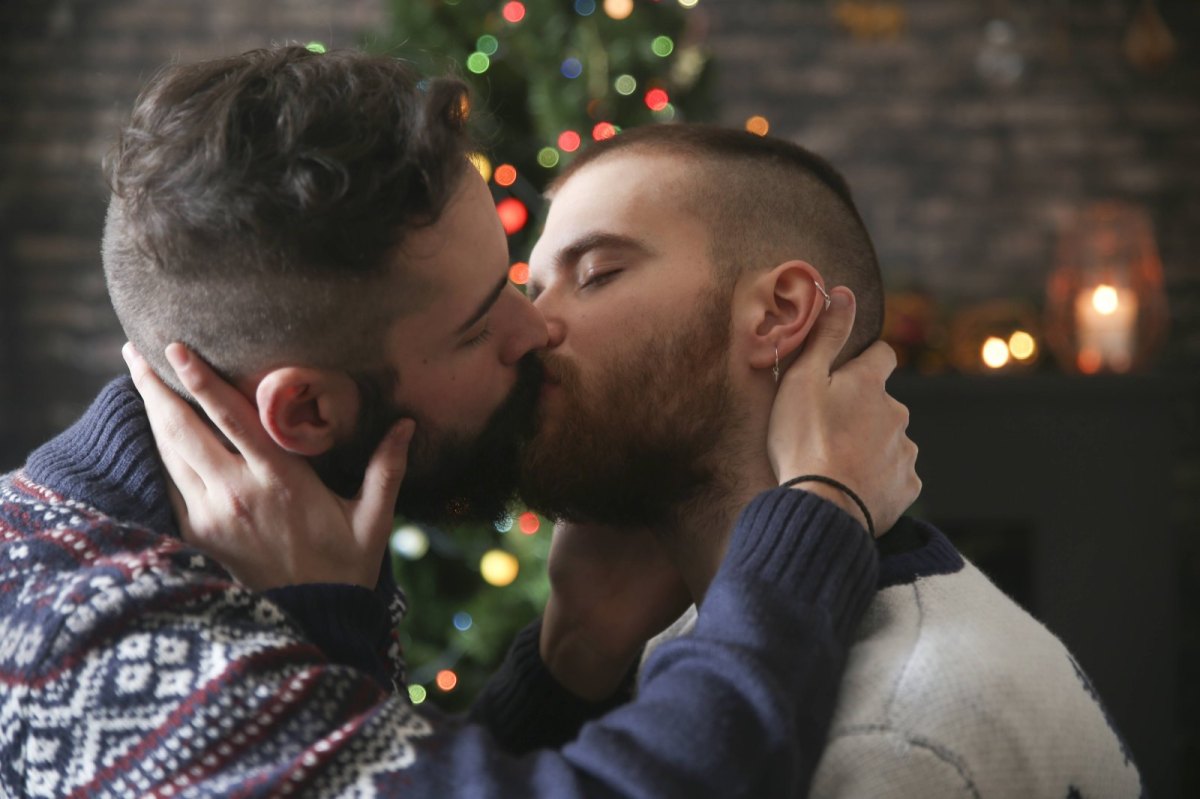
x=108 y=460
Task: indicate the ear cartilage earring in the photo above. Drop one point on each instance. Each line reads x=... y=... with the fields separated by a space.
x=775 y=368
x=824 y=294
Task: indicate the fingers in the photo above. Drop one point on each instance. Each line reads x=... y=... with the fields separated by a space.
x=878 y=362
x=829 y=334
x=373 y=512
x=232 y=413
x=171 y=420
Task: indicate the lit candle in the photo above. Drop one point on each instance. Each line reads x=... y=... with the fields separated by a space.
x=1106 y=321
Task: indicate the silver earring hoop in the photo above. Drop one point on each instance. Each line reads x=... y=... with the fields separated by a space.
x=775 y=368
x=824 y=294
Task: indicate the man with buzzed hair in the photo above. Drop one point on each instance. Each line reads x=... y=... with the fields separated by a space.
x=681 y=269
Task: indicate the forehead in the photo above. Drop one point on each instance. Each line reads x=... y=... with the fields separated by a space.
x=631 y=189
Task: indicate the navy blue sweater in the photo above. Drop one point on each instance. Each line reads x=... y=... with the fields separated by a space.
x=134 y=665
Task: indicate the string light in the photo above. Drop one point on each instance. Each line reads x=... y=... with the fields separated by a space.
x=618 y=9
x=568 y=141
x=417 y=693
x=462 y=621
x=410 y=542
x=1105 y=300
x=625 y=84
x=571 y=68
x=585 y=8
x=315 y=47
x=657 y=99
x=446 y=680
x=513 y=214
x=499 y=568
x=505 y=175
x=1021 y=345
x=482 y=164
x=666 y=113
x=513 y=12
x=995 y=352
x=758 y=125
x=604 y=130
x=478 y=62
x=487 y=44
x=662 y=46
x=518 y=273
x=688 y=3
x=548 y=157
x=529 y=522
x=506 y=522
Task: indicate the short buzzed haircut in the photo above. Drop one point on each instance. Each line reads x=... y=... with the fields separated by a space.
x=259 y=203
x=766 y=201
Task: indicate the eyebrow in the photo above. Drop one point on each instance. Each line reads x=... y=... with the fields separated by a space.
x=596 y=241
x=484 y=306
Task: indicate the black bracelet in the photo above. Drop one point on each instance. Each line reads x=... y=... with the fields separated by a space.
x=829 y=481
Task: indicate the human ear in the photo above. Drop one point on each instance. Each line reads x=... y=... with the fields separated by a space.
x=306 y=410
x=780 y=307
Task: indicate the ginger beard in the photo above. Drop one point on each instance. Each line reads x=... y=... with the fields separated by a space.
x=639 y=440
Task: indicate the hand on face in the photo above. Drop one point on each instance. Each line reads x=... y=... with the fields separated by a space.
x=260 y=511
x=612 y=589
x=843 y=424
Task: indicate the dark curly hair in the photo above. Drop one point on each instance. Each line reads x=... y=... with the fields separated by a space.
x=260 y=201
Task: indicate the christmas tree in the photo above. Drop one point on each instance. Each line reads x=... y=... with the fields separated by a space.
x=547 y=78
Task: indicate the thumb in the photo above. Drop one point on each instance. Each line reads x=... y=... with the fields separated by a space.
x=376 y=504
x=829 y=335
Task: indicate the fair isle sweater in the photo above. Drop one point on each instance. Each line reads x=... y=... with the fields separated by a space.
x=132 y=665
x=952 y=690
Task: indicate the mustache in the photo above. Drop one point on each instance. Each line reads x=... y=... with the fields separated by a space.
x=559 y=370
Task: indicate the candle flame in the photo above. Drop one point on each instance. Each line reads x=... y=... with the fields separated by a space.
x=995 y=352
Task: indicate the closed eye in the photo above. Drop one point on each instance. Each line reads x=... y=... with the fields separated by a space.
x=597 y=279
x=476 y=340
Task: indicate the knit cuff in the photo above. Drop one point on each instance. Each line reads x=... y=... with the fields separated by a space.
x=348 y=623
x=526 y=708
x=812 y=548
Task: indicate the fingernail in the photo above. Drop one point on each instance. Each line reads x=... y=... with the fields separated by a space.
x=177 y=356
x=842 y=300
x=403 y=430
x=128 y=353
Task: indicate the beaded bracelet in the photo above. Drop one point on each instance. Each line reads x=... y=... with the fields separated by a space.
x=829 y=481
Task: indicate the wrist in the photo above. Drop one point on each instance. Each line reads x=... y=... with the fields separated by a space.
x=837 y=495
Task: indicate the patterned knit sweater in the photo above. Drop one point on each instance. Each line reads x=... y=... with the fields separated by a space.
x=952 y=690
x=131 y=665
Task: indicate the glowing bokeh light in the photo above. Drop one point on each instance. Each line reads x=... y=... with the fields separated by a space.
x=657 y=99
x=604 y=130
x=417 y=693
x=618 y=9
x=662 y=46
x=995 y=352
x=1105 y=300
x=688 y=3
x=487 y=44
x=1021 y=345
x=529 y=522
x=569 y=141
x=513 y=214
x=1089 y=361
x=446 y=680
x=505 y=175
x=548 y=157
x=571 y=68
x=513 y=12
x=625 y=85
x=518 y=273
x=504 y=524
x=478 y=62
x=463 y=621
x=758 y=125
x=585 y=8
x=410 y=541
x=315 y=47
x=481 y=163
x=499 y=568
x=666 y=113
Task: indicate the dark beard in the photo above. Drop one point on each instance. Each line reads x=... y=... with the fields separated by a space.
x=450 y=480
x=640 y=446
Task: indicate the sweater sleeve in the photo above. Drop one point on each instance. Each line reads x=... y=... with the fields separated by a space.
x=163 y=679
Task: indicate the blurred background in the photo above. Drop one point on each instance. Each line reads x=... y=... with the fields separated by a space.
x=1030 y=172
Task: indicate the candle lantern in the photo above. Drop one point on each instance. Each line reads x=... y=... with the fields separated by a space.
x=1106 y=310
x=995 y=337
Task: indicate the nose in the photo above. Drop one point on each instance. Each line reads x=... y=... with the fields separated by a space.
x=529 y=331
